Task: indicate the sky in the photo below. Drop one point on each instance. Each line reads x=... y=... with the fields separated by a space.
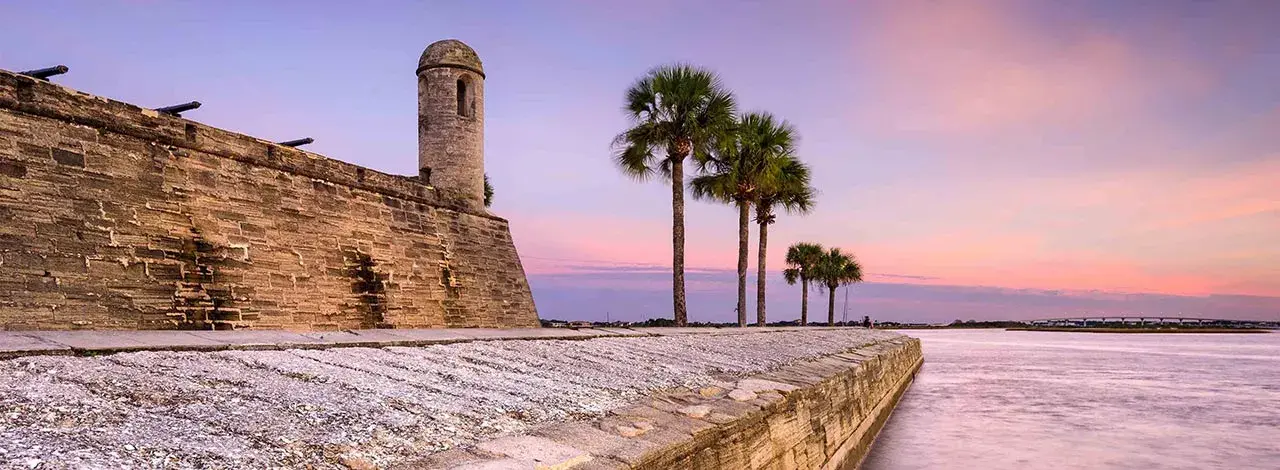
x=983 y=159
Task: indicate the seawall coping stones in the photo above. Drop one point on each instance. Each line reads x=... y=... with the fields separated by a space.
x=29 y=343
x=252 y=339
x=771 y=424
x=21 y=345
x=626 y=331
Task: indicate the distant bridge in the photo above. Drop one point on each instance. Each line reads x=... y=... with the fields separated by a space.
x=1143 y=320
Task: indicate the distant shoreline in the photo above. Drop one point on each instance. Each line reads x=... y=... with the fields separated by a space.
x=1143 y=330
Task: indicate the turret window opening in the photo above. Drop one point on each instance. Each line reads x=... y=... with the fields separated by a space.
x=463 y=99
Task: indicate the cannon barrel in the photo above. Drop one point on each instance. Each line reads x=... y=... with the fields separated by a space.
x=295 y=143
x=45 y=73
x=178 y=109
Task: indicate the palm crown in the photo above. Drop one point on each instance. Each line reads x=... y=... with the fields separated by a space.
x=676 y=111
x=836 y=268
x=789 y=188
x=802 y=259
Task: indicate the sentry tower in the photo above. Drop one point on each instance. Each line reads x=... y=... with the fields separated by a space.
x=451 y=121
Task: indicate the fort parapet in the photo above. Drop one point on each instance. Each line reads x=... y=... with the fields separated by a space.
x=114 y=216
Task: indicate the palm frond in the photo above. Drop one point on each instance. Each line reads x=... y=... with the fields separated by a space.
x=713 y=187
x=635 y=153
x=641 y=99
x=792 y=275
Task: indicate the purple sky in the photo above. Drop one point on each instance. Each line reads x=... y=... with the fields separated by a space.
x=983 y=159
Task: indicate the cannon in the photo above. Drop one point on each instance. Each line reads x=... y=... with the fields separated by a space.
x=45 y=73
x=295 y=143
x=177 y=109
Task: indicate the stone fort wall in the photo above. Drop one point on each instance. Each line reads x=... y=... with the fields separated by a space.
x=117 y=217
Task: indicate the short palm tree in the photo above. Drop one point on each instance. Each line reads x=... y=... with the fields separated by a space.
x=834 y=269
x=789 y=189
x=802 y=259
x=676 y=111
x=744 y=162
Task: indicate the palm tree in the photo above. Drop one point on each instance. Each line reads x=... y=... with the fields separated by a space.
x=744 y=162
x=802 y=259
x=834 y=269
x=676 y=111
x=788 y=188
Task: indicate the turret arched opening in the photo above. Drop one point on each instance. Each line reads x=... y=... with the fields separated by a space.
x=464 y=108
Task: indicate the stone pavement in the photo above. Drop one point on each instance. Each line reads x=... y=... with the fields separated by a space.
x=28 y=343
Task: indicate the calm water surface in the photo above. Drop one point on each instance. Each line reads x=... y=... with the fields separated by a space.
x=1021 y=400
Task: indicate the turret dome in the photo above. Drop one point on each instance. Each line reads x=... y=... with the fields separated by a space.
x=450 y=53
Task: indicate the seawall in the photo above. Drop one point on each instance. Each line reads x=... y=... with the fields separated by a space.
x=117 y=217
x=821 y=414
x=615 y=398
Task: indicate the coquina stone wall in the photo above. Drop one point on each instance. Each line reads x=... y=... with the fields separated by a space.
x=117 y=217
x=827 y=415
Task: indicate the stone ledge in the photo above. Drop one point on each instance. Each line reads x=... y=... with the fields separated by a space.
x=821 y=414
x=32 y=343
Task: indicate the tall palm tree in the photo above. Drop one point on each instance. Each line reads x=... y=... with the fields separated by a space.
x=676 y=111
x=787 y=188
x=745 y=161
x=802 y=259
x=834 y=269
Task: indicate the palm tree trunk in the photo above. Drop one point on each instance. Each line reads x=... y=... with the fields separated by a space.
x=744 y=235
x=831 y=306
x=804 y=301
x=677 y=241
x=760 y=277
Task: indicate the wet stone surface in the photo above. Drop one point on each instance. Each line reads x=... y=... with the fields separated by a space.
x=380 y=406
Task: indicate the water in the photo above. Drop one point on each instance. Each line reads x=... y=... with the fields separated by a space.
x=1024 y=400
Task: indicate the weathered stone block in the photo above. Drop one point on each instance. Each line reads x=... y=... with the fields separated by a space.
x=12 y=169
x=68 y=158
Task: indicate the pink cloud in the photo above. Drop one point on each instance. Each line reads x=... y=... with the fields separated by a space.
x=964 y=67
x=1176 y=231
